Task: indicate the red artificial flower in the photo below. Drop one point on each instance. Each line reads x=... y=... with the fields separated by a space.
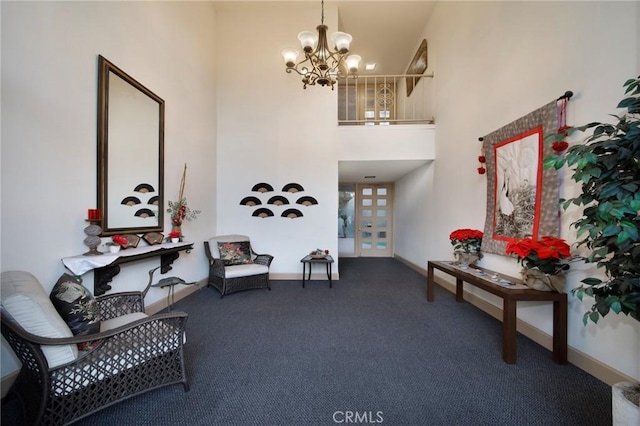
x=545 y=254
x=467 y=240
x=482 y=170
x=174 y=234
x=120 y=240
x=559 y=146
x=482 y=159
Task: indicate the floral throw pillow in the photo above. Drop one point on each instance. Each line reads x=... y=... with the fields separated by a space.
x=77 y=307
x=235 y=253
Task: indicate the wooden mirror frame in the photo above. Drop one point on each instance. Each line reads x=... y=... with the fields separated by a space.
x=119 y=216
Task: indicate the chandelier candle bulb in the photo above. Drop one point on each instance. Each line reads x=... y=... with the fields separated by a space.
x=290 y=57
x=307 y=40
x=352 y=63
x=341 y=41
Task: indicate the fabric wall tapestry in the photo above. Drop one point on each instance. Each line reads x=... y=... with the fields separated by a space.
x=522 y=197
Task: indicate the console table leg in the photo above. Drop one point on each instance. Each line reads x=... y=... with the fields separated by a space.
x=459 y=290
x=430 y=283
x=509 y=347
x=560 y=331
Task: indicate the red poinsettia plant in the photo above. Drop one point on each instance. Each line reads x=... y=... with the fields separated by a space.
x=119 y=240
x=549 y=254
x=174 y=234
x=467 y=240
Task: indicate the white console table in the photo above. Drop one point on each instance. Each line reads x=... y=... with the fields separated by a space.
x=107 y=265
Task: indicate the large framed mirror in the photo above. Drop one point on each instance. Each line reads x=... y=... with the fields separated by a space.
x=130 y=153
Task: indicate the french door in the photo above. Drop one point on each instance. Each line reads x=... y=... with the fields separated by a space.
x=374 y=215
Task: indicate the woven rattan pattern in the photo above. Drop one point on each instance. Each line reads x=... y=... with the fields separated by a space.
x=131 y=359
x=225 y=285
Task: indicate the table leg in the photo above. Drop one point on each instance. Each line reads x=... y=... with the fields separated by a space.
x=304 y=270
x=329 y=274
x=459 y=290
x=509 y=347
x=430 y=283
x=560 y=331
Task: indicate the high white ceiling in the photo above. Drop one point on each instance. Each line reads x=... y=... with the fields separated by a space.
x=385 y=32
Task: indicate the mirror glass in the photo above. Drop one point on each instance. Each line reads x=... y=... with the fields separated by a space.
x=130 y=153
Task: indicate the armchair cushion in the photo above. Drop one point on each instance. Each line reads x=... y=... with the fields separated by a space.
x=236 y=271
x=235 y=253
x=76 y=305
x=26 y=302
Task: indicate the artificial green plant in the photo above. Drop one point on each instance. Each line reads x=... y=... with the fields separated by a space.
x=607 y=166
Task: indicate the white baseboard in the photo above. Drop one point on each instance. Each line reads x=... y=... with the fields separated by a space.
x=581 y=360
x=298 y=277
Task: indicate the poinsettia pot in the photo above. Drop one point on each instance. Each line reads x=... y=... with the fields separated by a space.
x=536 y=279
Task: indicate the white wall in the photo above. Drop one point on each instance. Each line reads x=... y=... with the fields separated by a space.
x=49 y=98
x=399 y=142
x=495 y=62
x=271 y=130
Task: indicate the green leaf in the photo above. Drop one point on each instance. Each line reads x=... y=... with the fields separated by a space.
x=551 y=161
x=592 y=281
x=610 y=230
x=585 y=318
x=594 y=316
x=616 y=307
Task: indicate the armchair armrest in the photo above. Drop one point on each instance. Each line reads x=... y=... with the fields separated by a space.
x=263 y=259
x=118 y=304
x=163 y=331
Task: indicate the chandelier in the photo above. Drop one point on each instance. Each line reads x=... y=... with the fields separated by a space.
x=322 y=65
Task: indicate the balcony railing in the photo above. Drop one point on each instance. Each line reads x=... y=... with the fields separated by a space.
x=385 y=100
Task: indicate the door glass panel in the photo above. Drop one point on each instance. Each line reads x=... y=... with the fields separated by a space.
x=367 y=202
x=367 y=191
x=381 y=202
x=382 y=213
x=382 y=234
x=381 y=245
x=382 y=224
x=381 y=191
x=367 y=213
x=367 y=224
x=366 y=234
x=366 y=245
x=346 y=210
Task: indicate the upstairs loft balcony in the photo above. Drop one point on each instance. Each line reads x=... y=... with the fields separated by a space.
x=385 y=100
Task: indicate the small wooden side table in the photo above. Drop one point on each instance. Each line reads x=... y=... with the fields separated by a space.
x=308 y=260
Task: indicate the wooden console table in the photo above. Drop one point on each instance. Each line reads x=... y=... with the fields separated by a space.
x=481 y=278
x=107 y=266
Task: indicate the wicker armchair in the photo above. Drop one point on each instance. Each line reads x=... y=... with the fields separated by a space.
x=133 y=353
x=231 y=278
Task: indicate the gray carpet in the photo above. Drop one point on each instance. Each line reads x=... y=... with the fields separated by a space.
x=369 y=350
